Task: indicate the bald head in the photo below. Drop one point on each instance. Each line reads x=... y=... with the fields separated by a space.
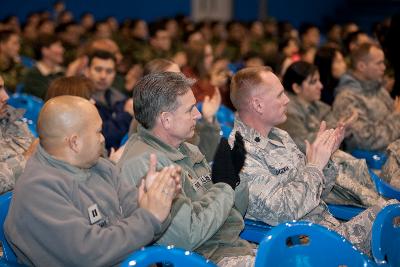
x=245 y=83
x=62 y=116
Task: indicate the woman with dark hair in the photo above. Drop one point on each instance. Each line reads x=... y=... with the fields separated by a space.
x=305 y=110
x=331 y=66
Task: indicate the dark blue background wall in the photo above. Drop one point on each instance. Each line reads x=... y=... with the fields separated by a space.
x=295 y=11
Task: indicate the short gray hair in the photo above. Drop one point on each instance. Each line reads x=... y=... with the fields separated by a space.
x=156 y=93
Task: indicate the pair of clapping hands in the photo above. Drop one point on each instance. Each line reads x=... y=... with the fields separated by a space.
x=327 y=142
x=158 y=189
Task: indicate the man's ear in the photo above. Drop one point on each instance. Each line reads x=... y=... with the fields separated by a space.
x=166 y=119
x=361 y=65
x=296 y=88
x=256 y=104
x=74 y=143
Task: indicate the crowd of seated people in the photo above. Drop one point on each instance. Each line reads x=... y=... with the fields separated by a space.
x=296 y=97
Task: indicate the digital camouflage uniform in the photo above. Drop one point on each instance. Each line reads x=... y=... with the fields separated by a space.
x=353 y=182
x=377 y=125
x=282 y=186
x=15 y=139
x=205 y=216
x=391 y=169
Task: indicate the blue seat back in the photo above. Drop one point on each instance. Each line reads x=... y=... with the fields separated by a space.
x=344 y=212
x=168 y=255
x=374 y=159
x=319 y=246
x=226 y=118
x=384 y=189
x=386 y=236
x=5 y=200
x=254 y=231
x=30 y=103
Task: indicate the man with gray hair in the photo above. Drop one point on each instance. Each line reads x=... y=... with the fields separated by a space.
x=204 y=218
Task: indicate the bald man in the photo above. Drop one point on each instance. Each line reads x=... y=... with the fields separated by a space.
x=284 y=184
x=70 y=208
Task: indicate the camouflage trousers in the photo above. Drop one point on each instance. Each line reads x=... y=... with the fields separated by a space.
x=353 y=184
x=240 y=261
x=357 y=230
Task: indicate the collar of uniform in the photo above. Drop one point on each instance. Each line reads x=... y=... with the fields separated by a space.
x=171 y=152
x=366 y=87
x=46 y=158
x=252 y=136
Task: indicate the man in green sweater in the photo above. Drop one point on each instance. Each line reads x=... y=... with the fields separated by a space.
x=205 y=216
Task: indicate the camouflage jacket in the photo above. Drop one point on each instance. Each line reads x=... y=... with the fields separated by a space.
x=377 y=125
x=282 y=186
x=15 y=139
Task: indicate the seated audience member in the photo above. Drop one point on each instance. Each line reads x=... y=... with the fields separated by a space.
x=305 y=113
x=11 y=68
x=75 y=86
x=16 y=142
x=284 y=184
x=204 y=218
x=50 y=54
x=361 y=90
x=70 y=207
x=115 y=109
x=82 y=87
x=331 y=66
x=207 y=134
x=309 y=35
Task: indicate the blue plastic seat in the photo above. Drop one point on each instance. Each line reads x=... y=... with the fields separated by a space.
x=226 y=118
x=319 y=246
x=8 y=258
x=255 y=231
x=31 y=104
x=386 y=236
x=166 y=255
x=374 y=159
x=384 y=189
x=344 y=212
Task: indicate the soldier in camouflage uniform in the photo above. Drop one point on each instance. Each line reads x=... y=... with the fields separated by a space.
x=304 y=115
x=378 y=122
x=15 y=142
x=284 y=184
